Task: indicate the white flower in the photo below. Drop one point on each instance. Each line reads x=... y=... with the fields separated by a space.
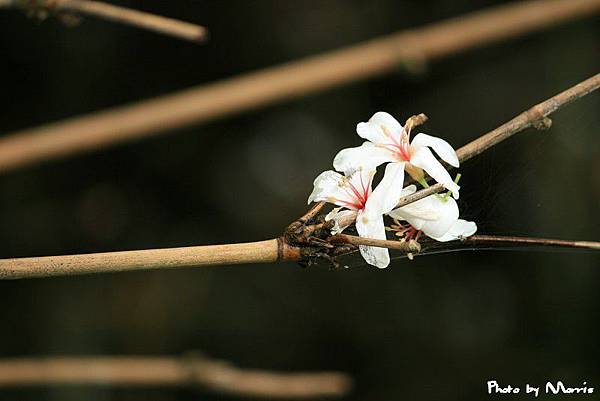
x=367 y=207
x=436 y=216
x=387 y=141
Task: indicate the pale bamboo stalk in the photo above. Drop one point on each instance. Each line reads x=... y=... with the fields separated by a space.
x=167 y=258
x=287 y=81
x=138 y=19
x=214 y=375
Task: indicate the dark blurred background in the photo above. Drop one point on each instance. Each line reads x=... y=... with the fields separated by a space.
x=435 y=328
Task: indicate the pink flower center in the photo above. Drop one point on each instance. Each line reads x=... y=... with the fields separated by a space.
x=400 y=147
x=358 y=194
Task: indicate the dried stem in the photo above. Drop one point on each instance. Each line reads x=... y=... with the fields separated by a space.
x=410 y=246
x=531 y=241
x=214 y=375
x=287 y=81
x=139 y=19
x=312 y=212
x=536 y=117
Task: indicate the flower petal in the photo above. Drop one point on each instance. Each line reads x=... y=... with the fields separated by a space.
x=409 y=190
x=417 y=212
x=448 y=215
x=460 y=229
x=444 y=150
x=424 y=159
x=345 y=217
x=329 y=187
x=367 y=156
x=432 y=215
x=389 y=191
x=371 y=225
x=379 y=128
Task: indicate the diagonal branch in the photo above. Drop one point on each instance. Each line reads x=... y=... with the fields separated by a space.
x=287 y=81
x=194 y=370
x=536 y=117
x=139 y=19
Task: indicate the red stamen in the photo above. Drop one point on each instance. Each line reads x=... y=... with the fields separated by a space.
x=401 y=148
x=349 y=205
x=362 y=184
x=361 y=197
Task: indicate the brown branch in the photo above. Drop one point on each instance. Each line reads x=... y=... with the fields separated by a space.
x=287 y=81
x=139 y=19
x=276 y=250
x=531 y=241
x=536 y=117
x=408 y=247
x=312 y=212
x=214 y=375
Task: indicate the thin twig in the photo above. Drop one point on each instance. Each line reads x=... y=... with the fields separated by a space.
x=139 y=19
x=536 y=117
x=531 y=241
x=312 y=212
x=410 y=246
x=214 y=375
x=287 y=81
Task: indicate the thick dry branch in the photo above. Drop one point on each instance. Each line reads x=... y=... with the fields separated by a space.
x=193 y=256
x=139 y=19
x=214 y=375
x=287 y=81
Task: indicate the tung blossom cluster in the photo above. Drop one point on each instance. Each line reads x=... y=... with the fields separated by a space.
x=350 y=187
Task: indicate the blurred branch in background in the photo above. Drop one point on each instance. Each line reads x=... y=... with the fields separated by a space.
x=291 y=246
x=72 y=8
x=193 y=370
x=287 y=81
